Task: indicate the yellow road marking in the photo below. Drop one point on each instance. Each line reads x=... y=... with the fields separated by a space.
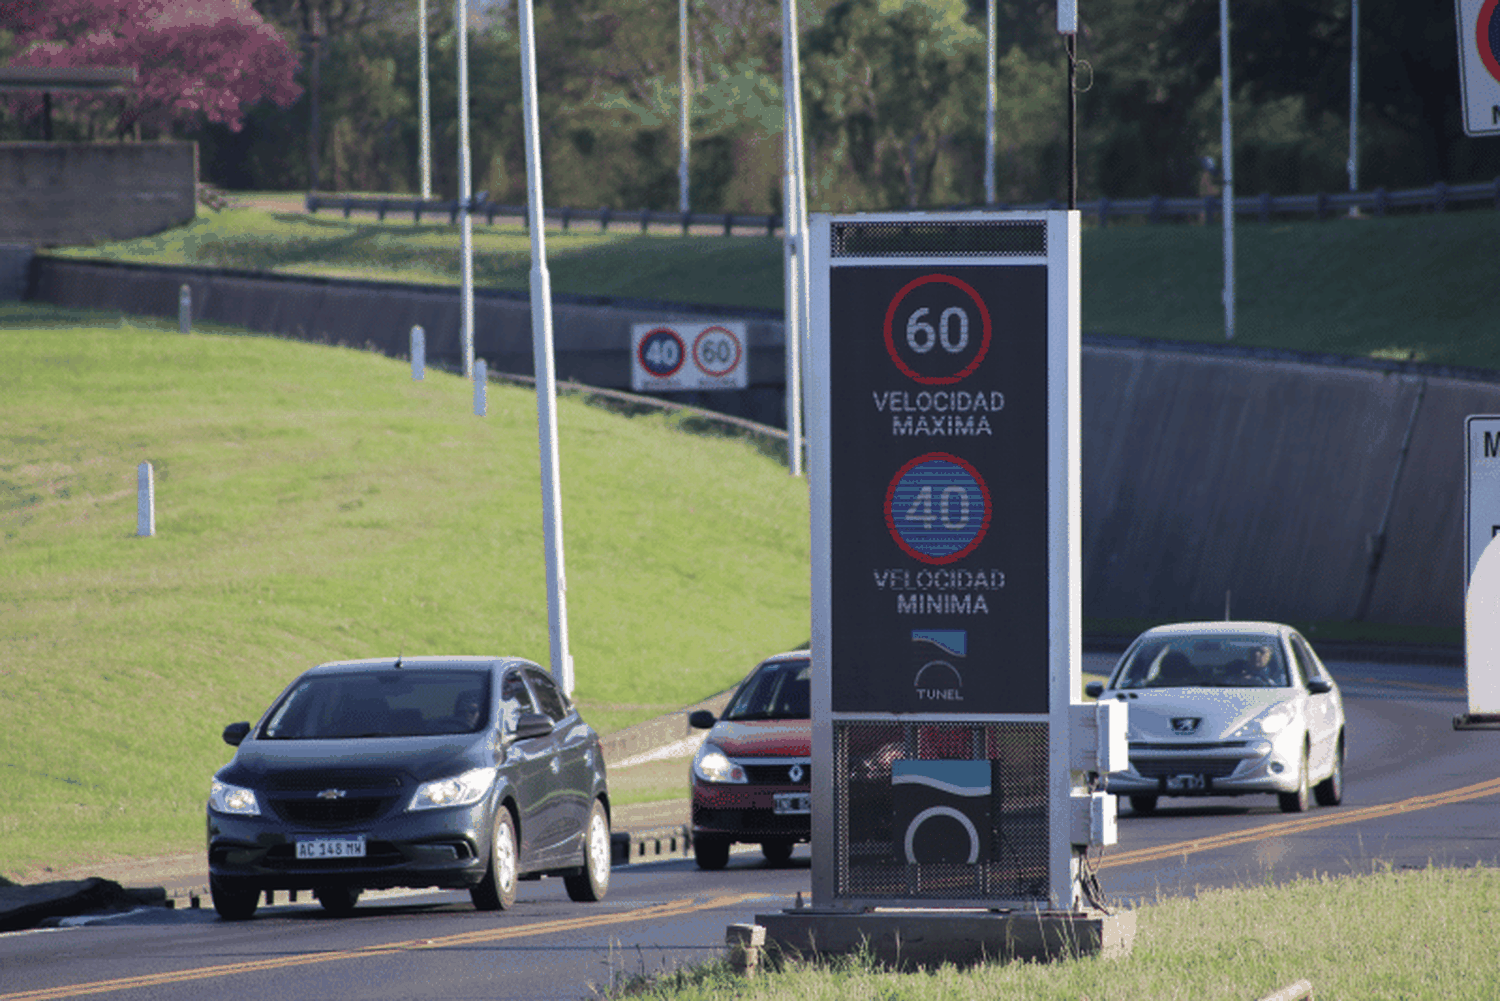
x=667 y=910
x=1301 y=824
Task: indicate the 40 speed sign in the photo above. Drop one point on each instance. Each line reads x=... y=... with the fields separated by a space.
x=676 y=357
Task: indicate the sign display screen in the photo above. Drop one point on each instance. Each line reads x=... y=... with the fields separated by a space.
x=939 y=484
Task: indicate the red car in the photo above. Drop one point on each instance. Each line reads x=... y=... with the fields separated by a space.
x=750 y=779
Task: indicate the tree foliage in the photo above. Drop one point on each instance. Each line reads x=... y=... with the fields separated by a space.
x=196 y=60
x=893 y=90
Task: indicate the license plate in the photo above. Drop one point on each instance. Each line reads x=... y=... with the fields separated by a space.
x=1186 y=783
x=321 y=848
x=792 y=802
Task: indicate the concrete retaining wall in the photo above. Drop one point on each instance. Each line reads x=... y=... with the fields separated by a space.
x=54 y=193
x=1204 y=471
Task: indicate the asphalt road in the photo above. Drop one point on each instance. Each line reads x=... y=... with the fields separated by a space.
x=1417 y=792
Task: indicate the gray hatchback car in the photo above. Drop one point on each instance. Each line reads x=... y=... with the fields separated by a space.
x=455 y=772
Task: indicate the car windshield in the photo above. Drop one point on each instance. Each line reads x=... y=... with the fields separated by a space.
x=382 y=703
x=778 y=690
x=1205 y=661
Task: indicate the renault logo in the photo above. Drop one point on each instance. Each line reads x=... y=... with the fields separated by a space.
x=795 y=773
x=331 y=794
x=1186 y=724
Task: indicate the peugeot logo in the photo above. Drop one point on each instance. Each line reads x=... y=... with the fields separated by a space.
x=1186 y=724
x=331 y=794
x=795 y=773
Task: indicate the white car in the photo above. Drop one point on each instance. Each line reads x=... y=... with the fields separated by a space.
x=1227 y=708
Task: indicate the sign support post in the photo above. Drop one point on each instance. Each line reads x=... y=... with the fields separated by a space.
x=952 y=770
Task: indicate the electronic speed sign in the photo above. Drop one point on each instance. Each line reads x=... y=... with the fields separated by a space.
x=942 y=416
x=668 y=357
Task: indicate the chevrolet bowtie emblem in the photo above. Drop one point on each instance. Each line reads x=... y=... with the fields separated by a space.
x=331 y=794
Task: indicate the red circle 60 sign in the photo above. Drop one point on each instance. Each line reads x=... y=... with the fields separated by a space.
x=937 y=329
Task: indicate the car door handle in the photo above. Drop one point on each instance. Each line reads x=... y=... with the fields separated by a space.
x=555 y=765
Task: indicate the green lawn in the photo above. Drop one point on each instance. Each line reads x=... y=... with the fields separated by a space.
x=1413 y=935
x=1405 y=287
x=315 y=503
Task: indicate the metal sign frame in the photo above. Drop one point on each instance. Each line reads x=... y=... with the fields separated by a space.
x=980 y=273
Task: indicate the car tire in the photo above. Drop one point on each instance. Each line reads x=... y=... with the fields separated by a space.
x=777 y=852
x=233 y=901
x=1143 y=804
x=497 y=891
x=711 y=852
x=1297 y=801
x=1330 y=792
x=337 y=900
x=592 y=883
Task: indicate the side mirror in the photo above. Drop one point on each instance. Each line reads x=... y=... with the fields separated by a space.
x=530 y=725
x=1094 y=689
x=1319 y=686
x=234 y=733
x=701 y=719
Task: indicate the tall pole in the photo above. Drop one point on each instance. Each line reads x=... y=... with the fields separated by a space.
x=989 y=106
x=312 y=138
x=465 y=192
x=791 y=236
x=545 y=367
x=1227 y=200
x=424 y=100
x=1067 y=26
x=682 y=129
x=1353 y=100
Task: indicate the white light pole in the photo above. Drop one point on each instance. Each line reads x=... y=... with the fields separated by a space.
x=424 y=100
x=682 y=130
x=989 y=106
x=465 y=192
x=545 y=366
x=1227 y=199
x=794 y=228
x=1353 y=100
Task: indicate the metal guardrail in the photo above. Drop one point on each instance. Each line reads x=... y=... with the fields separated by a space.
x=1264 y=207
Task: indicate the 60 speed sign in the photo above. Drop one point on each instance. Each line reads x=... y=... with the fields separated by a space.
x=667 y=357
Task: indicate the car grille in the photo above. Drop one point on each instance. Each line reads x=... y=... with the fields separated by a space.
x=1216 y=768
x=306 y=798
x=777 y=774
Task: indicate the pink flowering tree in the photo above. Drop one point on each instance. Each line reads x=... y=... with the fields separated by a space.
x=196 y=61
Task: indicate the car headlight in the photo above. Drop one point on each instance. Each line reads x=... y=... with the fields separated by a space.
x=712 y=765
x=1268 y=723
x=225 y=798
x=459 y=790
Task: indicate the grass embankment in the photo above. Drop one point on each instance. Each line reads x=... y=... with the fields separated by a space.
x=1405 y=287
x=315 y=503
x=1423 y=935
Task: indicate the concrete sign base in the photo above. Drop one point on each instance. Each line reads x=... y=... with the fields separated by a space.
x=913 y=937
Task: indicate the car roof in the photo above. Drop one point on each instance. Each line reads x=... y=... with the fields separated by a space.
x=427 y=663
x=789 y=655
x=1219 y=628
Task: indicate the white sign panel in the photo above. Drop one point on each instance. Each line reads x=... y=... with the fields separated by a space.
x=1482 y=496
x=680 y=357
x=1479 y=69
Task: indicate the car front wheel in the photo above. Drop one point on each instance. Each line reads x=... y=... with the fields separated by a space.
x=593 y=882
x=497 y=891
x=337 y=900
x=711 y=852
x=234 y=902
x=1143 y=804
x=1330 y=792
x=1297 y=800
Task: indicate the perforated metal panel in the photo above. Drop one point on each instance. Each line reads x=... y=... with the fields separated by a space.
x=989 y=238
x=872 y=859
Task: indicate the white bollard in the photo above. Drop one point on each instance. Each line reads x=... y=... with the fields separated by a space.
x=185 y=310
x=418 y=353
x=481 y=381
x=145 y=488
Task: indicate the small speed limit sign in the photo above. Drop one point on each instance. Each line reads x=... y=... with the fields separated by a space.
x=667 y=357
